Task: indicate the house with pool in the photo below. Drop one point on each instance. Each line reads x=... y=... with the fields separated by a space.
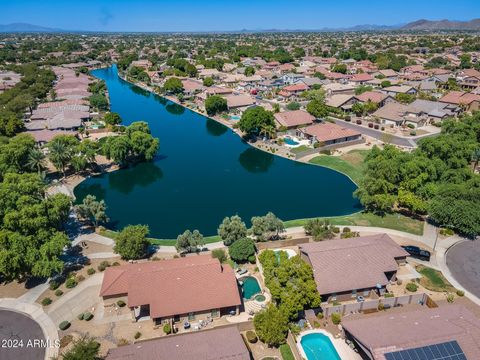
x=345 y=269
x=184 y=290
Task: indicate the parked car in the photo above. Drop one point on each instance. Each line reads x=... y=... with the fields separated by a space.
x=418 y=253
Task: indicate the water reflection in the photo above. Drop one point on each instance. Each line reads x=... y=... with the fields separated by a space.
x=214 y=128
x=141 y=175
x=175 y=109
x=255 y=161
x=94 y=189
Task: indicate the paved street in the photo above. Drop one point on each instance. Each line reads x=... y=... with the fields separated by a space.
x=17 y=332
x=463 y=262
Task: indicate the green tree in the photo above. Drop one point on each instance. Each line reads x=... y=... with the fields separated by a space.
x=232 y=229
x=267 y=227
x=249 y=71
x=317 y=109
x=340 y=68
x=293 y=106
x=112 y=118
x=319 y=229
x=173 y=86
x=10 y=123
x=83 y=349
x=93 y=210
x=219 y=254
x=253 y=119
x=242 y=249
x=61 y=151
x=215 y=104
x=131 y=243
x=98 y=101
x=14 y=154
x=36 y=160
x=189 y=241
x=208 y=81
x=271 y=326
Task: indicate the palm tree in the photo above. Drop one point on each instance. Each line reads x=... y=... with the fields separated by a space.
x=60 y=155
x=267 y=131
x=36 y=160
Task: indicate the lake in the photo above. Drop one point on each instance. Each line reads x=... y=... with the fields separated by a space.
x=204 y=172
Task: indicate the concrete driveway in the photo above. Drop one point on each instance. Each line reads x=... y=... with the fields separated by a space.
x=16 y=329
x=463 y=262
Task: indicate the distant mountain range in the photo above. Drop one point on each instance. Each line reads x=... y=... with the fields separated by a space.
x=24 y=27
x=443 y=25
x=415 y=25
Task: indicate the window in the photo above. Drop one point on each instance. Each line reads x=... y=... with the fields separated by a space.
x=334 y=297
x=191 y=316
x=354 y=293
x=214 y=313
x=366 y=293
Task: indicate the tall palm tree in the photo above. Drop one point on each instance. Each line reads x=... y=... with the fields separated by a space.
x=60 y=155
x=36 y=160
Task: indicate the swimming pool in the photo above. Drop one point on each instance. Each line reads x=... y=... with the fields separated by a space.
x=250 y=287
x=290 y=141
x=234 y=117
x=318 y=346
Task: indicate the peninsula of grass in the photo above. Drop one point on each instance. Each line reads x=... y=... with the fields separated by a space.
x=389 y=221
x=434 y=280
x=350 y=164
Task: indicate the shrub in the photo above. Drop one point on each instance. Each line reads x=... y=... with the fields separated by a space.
x=346 y=230
x=242 y=249
x=167 y=329
x=103 y=265
x=123 y=342
x=399 y=282
x=450 y=298
x=413 y=133
x=359 y=122
x=320 y=315
x=252 y=259
x=121 y=303
x=460 y=292
x=58 y=292
x=336 y=230
x=116 y=263
x=137 y=335
x=70 y=283
x=87 y=316
x=54 y=285
x=64 y=341
x=388 y=295
x=80 y=316
x=411 y=126
x=380 y=307
x=46 y=301
x=316 y=324
x=252 y=337
x=64 y=325
x=80 y=278
x=336 y=318
x=91 y=271
x=412 y=287
x=219 y=254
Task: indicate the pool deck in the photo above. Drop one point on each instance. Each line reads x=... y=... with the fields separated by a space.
x=343 y=350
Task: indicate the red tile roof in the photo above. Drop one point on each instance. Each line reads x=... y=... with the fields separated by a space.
x=224 y=343
x=295 y=88
x=294 y=118
x=361 y=77
x=362 y=261
x=172 y=287
x=373 y=96
x=328 y=132
x=459 y=97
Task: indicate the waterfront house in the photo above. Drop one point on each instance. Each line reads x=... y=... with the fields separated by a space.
x=212 y=344
x=293 y=119
x=445 y=332
x=191 y=288
x=366 y=264
x=239 y=101
x=328 y=134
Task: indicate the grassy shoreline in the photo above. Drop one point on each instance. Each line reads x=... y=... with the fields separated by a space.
x=389 y=221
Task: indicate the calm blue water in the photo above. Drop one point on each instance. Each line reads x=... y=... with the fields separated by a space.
x=318 y=347
x=204 y=172
x=250 y=287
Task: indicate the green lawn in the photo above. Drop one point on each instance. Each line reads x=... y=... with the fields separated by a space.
x=433 y=280
x=300 y=149
x=162 y=242
x=350 y=164
x=389 y=221
x=286 y=352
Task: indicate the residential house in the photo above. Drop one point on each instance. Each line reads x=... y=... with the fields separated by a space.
x=144 y=64
x=293 y=91
x=446 y=332
x=336 y=88
x=468 y=101
x=327 y=133
x=376 y=97
x=191 y=87
x=469 y=79
x=391 y=114
x=399 y=89
x=176 y=290
x=425 y=111
x=360 y=79
x=341 y=101
x=293 y=119
x=239 y=101
x=292 y=78
x=212 y=344
x=367 y=265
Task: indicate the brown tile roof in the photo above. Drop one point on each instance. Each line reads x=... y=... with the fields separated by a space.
x=294 y=118
x=460 y=98
x=328 y=131
x=240 y=100
x=361 y=77
x=295 y=88
x=373 y=96
x=216 y=344
x=392 y=111
x=362 y=262
x=172 y=287
x=411 y=329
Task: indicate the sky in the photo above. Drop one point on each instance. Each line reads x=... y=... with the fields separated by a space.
x=228 y=15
